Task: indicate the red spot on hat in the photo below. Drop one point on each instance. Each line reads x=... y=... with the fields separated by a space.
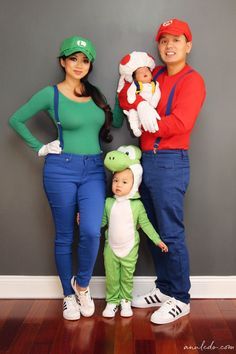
x=125 y=60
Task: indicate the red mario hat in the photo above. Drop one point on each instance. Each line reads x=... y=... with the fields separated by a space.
x=175 y=27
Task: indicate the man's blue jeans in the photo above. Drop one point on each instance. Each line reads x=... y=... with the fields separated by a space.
x=75 y=182
x=165 y=181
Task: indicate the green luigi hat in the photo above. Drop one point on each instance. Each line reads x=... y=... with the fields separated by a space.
x=78 y=44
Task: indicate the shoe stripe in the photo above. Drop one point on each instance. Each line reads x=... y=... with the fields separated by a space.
x=153 y=301
x=150 y=300
x=178 y=308
x=77 y=299
x=157 y=298
x=172 y=314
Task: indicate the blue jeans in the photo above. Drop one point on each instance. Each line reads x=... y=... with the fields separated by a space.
x=165 y=181
x=75 y=183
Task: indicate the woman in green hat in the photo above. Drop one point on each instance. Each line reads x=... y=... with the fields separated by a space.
x=74 y=177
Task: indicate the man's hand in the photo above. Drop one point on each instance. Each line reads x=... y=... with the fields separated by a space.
x=148 y=117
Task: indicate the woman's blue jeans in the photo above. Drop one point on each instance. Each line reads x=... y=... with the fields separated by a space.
x=75 y=183
x=165 y=181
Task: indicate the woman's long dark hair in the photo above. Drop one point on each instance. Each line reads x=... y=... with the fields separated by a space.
x=88 y=90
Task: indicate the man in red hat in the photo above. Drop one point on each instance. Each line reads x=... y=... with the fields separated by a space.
x=165 y=161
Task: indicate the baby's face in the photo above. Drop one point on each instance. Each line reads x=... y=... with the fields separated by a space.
x=143 y=74
x=122 y=182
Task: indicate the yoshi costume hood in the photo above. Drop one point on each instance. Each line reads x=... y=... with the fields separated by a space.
x=122 y=158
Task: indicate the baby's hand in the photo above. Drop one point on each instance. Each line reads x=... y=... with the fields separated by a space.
x=163 y=246
x=77 y=218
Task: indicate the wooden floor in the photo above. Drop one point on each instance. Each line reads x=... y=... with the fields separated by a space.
x=37 y=327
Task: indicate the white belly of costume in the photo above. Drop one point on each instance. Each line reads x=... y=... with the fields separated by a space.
x=121 y=231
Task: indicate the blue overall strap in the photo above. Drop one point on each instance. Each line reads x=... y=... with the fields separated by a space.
x=162 y=70
x=56 y=105
x=169 y=105
x=137 y=86
x=172 y=92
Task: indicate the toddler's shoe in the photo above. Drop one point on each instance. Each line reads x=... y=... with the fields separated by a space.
x=126 y=310
x=110 y=310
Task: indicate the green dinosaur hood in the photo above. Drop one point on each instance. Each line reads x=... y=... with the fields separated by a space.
x=126 y=156
x=122 y=158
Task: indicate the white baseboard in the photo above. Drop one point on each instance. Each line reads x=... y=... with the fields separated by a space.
x=48 y=287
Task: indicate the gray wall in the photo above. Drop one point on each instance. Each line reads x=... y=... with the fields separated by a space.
x=30 y=35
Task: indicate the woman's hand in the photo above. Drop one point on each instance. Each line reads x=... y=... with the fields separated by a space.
x=50 y=148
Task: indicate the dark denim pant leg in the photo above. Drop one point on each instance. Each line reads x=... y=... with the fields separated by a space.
x=165 y=180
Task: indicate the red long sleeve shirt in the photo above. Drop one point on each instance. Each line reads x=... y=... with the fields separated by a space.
x=174 y=129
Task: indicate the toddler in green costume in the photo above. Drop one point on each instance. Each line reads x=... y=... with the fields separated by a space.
x=123 y=214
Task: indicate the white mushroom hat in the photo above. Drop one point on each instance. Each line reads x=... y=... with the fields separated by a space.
x=132 y=62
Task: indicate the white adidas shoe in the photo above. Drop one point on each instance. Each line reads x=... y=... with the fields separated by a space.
x=152 y=299
x=126 y=310
x=110 y=310
x=71 y=309
x=170 y=311
x=85 y=302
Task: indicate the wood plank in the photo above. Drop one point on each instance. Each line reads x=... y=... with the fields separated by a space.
x=144 y=339
x=228 y=312
x=199 y=324
x=104 y=336
x=84 y=342
x=5 y=309
x=12 y=325
x=48 y=329
x=25 y=338
x=124 y=335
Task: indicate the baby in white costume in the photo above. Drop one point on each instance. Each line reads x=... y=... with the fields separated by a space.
x=136 y=68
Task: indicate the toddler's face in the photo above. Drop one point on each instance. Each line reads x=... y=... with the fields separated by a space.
x=143 y=74
x=122 y=182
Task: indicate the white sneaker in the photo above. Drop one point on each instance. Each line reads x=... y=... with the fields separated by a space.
x=170 y=311
x=154 y=298
x=126 y=310
x=84 y=300
x=110 y=310
x=71 y=309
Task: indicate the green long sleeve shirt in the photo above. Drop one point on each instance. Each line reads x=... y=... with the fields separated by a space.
x=80 y=121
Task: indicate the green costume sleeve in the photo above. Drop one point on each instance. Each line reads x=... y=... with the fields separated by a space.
x=104 y=217
x=41 y=101
x=107 y=210
x=118 y=115
x=146 y=225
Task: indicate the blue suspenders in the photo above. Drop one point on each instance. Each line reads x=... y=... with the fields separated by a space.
x=56 y=105
x=169 y=101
